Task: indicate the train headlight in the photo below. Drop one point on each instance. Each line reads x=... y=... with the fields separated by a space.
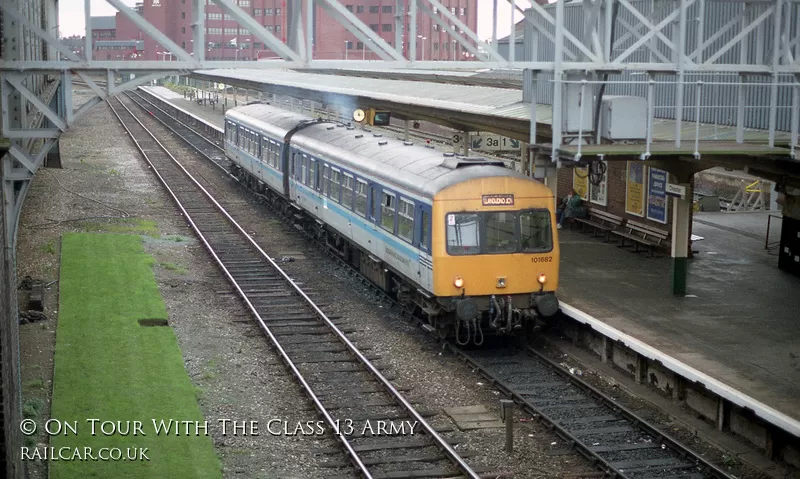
x=542 y=278
x=458 y=281
x=501 y=282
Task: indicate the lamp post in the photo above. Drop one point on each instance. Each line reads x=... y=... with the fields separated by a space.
x=423 y=46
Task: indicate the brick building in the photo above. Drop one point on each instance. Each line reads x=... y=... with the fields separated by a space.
x=629 y=189
x=226 y=40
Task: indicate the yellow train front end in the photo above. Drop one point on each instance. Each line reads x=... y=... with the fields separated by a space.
x=495 y=256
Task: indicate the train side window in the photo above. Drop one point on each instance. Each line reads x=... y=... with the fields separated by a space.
x=304 y=169
x=405 y=220
x=361 y=198
x=240 y=137
x=265 y=151
x=387 y=211
x=312 y=173
x=325 y=188
x=425 y=240
x=335 y=186
x=275 y=154
x=347 y=191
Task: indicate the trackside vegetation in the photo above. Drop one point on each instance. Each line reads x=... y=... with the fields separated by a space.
x=117 y=360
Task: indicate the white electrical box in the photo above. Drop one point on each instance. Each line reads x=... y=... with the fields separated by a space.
x=623 y=118
x=571 y=122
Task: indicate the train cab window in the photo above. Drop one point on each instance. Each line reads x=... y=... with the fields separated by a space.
x=347 y=191
x=500 y=232
x=463 y=235
x=425 y=238
x=405 y=220
x=335 y=187
x=387 y=211
x=361 y=198
x=535 y=232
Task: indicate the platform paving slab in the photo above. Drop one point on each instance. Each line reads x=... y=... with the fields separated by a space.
x=739 y=322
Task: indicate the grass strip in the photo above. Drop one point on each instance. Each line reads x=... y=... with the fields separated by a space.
x=111 y=368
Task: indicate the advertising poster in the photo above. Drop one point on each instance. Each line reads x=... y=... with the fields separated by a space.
x=599 y=191
x=634 y=194
x=656 y=195
x=580 y=181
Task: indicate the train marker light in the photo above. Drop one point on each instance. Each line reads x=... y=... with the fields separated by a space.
x=542 y=278
x=458 y=281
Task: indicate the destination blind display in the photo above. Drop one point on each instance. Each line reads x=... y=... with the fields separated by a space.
x=498 y=200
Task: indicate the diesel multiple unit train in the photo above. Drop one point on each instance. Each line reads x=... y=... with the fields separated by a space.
x=465 y=241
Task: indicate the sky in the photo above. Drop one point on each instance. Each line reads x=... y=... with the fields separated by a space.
x=72 y=17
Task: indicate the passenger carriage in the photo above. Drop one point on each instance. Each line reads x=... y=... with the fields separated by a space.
x=465 y=240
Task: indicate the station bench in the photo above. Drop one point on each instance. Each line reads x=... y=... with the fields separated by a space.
x=642 y=234
x=601 y=220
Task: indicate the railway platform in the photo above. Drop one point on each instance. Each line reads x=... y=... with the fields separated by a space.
x=728 y=349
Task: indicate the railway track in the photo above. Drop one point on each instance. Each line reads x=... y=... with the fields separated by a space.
x=618 y=441
x=615 y=439
x=346 y=388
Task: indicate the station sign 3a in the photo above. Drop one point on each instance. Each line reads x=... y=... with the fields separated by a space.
x=487 y=142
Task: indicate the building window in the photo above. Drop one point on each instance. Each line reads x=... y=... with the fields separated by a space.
x=231 y=31
x=257 y=46
x=267 y=11
x=453 y=10
x=277 y=28
x=386 y=27
x=374 y=27
x=183 y=14
x=349 y=45
x=360 y=46
x=387 y=9
x=183 y=29
x=277 y=11
x=226 y=17
x=349 y=8
x=257 y=12
x=435 y=27
x=436 y=47
x=183 y=44
x=360 y=9
x=435 y=10
x=269 y=28
x=463 y=11
x=244 y=3
x=373 y=9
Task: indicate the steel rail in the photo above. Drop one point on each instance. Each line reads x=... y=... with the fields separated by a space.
x=584 y=450
x=440 y=442
x=315 y=399
x=630 y=415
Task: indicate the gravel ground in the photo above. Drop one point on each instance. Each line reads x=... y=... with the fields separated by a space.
x=437 y=380
x=236 y=375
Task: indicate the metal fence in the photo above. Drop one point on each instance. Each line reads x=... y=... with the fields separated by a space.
x=720 y=91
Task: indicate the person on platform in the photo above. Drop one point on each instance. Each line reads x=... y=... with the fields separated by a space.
x=571 y=207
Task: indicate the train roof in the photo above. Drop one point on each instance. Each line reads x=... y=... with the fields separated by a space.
x=413 y=167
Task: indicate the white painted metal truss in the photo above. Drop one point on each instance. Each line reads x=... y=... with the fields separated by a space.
x=588 y=38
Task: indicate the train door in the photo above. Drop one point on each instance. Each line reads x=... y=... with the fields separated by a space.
x=374 y=210
x=294 y=169
x=284 y=168
x=422 y=238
